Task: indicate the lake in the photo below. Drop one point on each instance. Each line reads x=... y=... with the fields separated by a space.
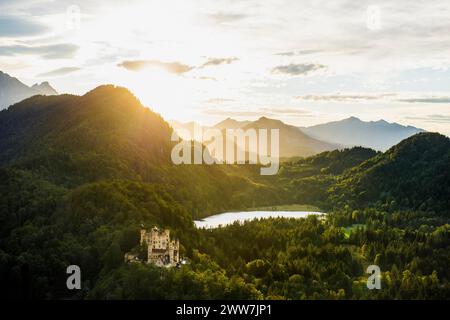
x=227 y=218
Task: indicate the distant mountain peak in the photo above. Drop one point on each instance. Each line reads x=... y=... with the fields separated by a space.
x=229 y=120
x=269 y=122
x=42 y=84
x=13 y=90
x=6 y=77
x=44 y=88
x=379 y=135
x=230 y=123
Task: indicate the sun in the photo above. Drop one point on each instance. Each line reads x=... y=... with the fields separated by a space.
x=163 y=92
x=166 y=33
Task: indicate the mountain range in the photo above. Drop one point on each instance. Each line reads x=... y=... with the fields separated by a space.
x=293 y=142
x=306 y=141
x=13 y=90
x=379 y=135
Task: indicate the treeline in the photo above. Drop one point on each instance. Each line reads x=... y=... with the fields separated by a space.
x=316 y=259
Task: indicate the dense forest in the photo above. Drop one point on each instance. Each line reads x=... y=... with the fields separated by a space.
x=80 y=174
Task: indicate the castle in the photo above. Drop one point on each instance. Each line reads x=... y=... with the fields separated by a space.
x=162 y=251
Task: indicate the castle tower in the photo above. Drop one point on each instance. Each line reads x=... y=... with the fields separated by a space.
x=143 y=236
x=177 y=251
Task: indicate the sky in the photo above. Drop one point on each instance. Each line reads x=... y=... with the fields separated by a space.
x=302 y=61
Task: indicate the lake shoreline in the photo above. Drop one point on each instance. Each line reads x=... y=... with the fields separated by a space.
x=227 y=218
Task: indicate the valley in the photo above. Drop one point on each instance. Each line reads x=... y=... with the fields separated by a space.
x=79 y=175
x=208 y=154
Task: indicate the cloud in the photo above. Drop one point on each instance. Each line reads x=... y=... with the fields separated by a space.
x=427 y=100
x=286 y=54
x=392 y=97
x=224 y=17
x=170 y=67
x=173 y=67
x=54 y=51
x=206 y=78
x=59 y=72
x=218 y=61
x=297 y=53
x=298 y=69
x=434 y=118
x=264 y=111
x=287 y=111
x=231 y=113
x=20 y=27
x=346 y=97
x=219 y=100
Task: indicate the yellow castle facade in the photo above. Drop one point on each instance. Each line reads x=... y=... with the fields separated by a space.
x=162 y=250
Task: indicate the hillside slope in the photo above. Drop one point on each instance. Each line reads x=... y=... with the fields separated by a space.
x=415 y=174
x=108 y=134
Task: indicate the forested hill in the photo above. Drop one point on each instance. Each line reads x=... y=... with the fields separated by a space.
x=413 y=174
x=105 y=133
x=108 y=134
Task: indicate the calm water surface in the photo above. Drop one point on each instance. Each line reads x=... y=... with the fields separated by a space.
x=227 y=218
